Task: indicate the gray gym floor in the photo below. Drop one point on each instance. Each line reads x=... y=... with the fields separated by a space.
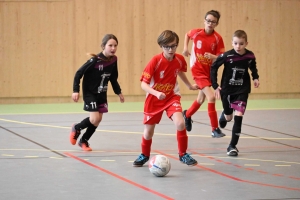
x=38 y=162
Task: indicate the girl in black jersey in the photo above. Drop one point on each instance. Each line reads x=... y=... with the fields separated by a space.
x=235 y=84
x=96 y=73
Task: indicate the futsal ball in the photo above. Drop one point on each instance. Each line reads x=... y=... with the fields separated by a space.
x=159 y=165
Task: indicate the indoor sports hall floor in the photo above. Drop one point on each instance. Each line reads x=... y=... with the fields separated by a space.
x=38 y=162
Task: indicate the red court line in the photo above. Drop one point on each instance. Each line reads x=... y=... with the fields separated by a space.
x=228 y=163
x=232 y=177
x=119 y=177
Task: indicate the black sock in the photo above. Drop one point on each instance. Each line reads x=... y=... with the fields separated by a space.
x=83 y=124
x=236 y=130
x=89 y=132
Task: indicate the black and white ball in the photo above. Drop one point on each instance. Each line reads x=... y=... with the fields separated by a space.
x=159 y=165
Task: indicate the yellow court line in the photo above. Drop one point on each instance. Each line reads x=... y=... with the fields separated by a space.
x=31 y=156
x=140 y=111
x=140 y=133
x=206 y=163
x=108 y=160
x=7 y=155
x=282 y=165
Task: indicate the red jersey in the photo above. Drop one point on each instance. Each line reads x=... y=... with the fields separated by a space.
x=202 y=43
x=161 y=75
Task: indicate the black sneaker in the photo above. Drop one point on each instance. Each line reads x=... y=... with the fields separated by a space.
x=232 y=151
x=187 y=159
x=222 y=120
x=188 y=121
x=217 y=133
x=140 y=161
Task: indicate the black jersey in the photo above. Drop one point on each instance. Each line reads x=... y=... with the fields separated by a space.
x=235 y=77
x=96 y=73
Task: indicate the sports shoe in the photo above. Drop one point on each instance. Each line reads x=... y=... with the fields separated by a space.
x=232 y=151
x=187 y=159
x=84 y=145
x=217 y=133
x=74 y=135
x=222 y=120
x=140 y=161
x=188 y=121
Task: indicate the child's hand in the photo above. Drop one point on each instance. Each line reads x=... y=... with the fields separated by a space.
x=75 y=96
x=256 y=83
x=194 y=87
x=161 y=95
x=121 y=98
x=186 y=52
x=217 y=93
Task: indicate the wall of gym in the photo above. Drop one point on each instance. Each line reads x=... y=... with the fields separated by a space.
x=44 y=42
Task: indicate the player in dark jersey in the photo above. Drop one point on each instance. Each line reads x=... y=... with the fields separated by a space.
x=235 y=85
x=96 y=73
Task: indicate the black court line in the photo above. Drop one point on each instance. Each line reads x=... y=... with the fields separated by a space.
x=62 y=155
x=257 y=136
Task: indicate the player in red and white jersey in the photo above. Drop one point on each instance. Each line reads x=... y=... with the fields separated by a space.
x=159 y=80
x=207 y=45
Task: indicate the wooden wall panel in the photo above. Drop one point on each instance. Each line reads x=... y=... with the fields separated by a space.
x=37 y=48
x=43 y=43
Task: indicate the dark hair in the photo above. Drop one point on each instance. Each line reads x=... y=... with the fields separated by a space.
x=104 y=42
x=167 y=37
x=214 y=13
x=240 y=34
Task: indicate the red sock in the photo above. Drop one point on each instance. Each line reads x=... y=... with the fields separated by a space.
x=194 y=107
x=146 y=146
x=182 y=140
x=212 y=113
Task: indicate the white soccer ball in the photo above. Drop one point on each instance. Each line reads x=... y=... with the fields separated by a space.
x=159 y=165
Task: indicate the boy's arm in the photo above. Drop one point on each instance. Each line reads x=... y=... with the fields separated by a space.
x=254 y=73
x=186 y=81
x=186 y=46
x=214 y=71
x=146 y=87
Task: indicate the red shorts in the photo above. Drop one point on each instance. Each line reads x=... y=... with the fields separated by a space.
x=170 y=110
x=202 y=82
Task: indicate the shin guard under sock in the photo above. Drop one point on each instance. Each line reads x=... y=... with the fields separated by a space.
x=182 y=140
x=83 y=124
x=236 y=130
x=194 y=107
x=212 y=113
x=146 y=146
x=89 y=132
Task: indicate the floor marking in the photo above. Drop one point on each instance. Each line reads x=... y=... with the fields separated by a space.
x=282 y=165
x=9 y=155
x=250 y=159
x=141 y=133
x=56 y=157
x=232 y=177
x=206 y=163
x=31 y=156
x=119 y=177
x=34 y=142
x=108 y=160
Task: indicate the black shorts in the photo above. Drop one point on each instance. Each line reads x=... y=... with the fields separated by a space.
x=236 y=102
x=95 y=103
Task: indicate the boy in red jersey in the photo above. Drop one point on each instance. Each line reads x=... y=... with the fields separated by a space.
x=159 y=80
x=207 y=45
